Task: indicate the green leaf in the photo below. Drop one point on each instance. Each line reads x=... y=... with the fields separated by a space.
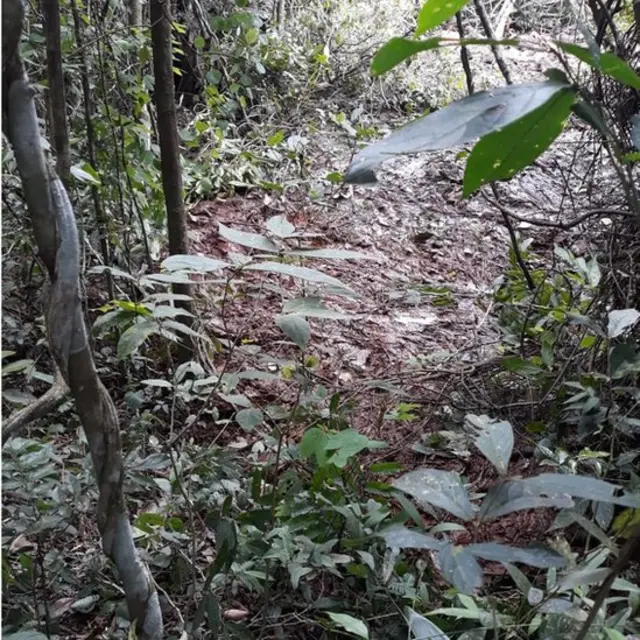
x=296 y=328
x=524 y=367
x=251 y=240
x=607 y=63
x=314 y=443
x=199 y=43
x=158 y=382
x=135 y=336
x=350 y=624
x=330 y=254
x=456 y=124
x=535 y=556
x=348 y=443
x=84 y=172
x=502 y=153
x=398 y=537
x=620 y=320
x=26 y=635
x=435 y=12
x=304 y=273
x=507 y=497
x=442 y=489
x=249 y=419
x=280 y=226
x=201 y=264
x=460 y=568
x=396 y=50
x=495 y=441
x=312 y=307
x=422 y=629
x=624 y=360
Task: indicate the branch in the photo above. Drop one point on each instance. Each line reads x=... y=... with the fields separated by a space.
x=46 y=403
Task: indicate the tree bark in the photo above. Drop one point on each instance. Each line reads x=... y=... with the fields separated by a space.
x=164 y=95
x=57 y=100
x=56 y=235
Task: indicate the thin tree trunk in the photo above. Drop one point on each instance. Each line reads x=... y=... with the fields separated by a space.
x=169 y=141
x=57 y=102
x=101 y=220
x=488 y=29
x=464 y=55
x=56 y=234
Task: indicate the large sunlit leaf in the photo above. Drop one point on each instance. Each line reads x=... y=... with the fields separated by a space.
x=442 y=489
x=422 y=629
x=460 y=568
x=201 y=264
x=330 y=254
x=312 y=307
x=502 y=153
x=508 y=497
x=495 y=441
x=535 y=556
x=251 y=240
x=304 y=273
x=350 y=624
x=620 y=320
x=296 y=328
x=460 y=122
x=608 y=63
x=399 y=537
x=280 y=226
x=436 y=12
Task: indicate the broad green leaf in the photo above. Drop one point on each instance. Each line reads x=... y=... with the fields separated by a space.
x=579 y=487
x=460 y=568
x=251 y=240
x=435 y=12
x=495 y=441
x=398 y=537
x=236 y=399
x=624 y=360
x=85 y=173
x=280 y=226
x=170 y=278
x=620 y=320
x=313 y=443
x=524 y=367
x=397 y=50
x=304 y=273
x=442 y=489
x=508 y=497
x=135 y=336
x=456 y=124
x=312 y=307
x=25 y=635
x=608 y=63
x=502 y=153
x=534 y=556
x=296 y=328
x=422 y=629
x=193 y=263
x=348 y=443
x=350 y=624
x=330 y=254
x=592 y=116
x=583 y=577
x=249 y=419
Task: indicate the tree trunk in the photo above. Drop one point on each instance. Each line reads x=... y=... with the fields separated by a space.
x=56 y=235
x=57 y=102
x=164 y=96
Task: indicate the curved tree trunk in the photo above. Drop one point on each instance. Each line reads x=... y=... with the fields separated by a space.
x=56 y=235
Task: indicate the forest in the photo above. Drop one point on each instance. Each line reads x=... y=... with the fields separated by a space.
x=321 y=319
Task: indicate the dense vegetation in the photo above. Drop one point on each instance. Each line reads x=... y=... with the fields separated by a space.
x=250 y=393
